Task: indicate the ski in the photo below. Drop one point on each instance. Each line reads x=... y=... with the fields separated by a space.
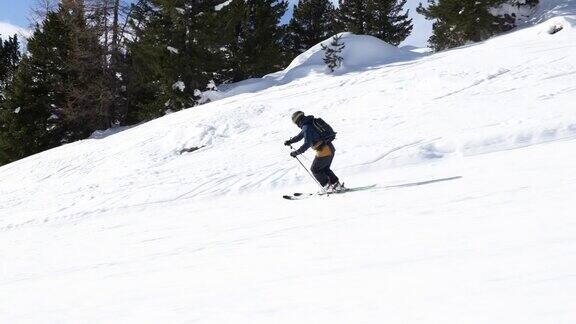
x=303 y=195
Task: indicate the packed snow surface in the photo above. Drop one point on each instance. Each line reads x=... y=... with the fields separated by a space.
x=181 y=219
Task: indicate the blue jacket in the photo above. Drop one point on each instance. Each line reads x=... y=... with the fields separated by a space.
x=308 y=133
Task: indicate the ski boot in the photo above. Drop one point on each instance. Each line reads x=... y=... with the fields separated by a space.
x=337 y=187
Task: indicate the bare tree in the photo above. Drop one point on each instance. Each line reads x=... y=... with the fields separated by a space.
x=108 y=19
x=39 y=10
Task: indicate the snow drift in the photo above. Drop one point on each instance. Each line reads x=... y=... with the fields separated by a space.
x=361 y=52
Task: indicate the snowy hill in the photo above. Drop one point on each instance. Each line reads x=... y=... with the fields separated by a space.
x=181 y=219
x=361 y=52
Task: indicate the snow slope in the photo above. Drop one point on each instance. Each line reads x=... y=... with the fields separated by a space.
x=473 y=151
x=548 y=9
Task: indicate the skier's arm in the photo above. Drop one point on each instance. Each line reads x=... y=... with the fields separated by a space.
x=307 y=142
x=296 y=138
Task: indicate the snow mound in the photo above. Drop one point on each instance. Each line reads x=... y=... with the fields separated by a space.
x=361 y=53
x=558 y=24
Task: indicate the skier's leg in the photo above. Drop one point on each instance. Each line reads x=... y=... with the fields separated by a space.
x=332 y=177
x=329 y=173
x=319 y=169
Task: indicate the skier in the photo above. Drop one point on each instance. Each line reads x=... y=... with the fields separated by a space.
x=318 y=135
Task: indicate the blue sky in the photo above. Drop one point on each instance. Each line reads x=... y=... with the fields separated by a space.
x=15 y=11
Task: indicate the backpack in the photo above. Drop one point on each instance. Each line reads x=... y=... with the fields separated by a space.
x=327 y=134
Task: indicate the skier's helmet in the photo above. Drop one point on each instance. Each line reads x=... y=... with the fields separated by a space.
x=297 y=117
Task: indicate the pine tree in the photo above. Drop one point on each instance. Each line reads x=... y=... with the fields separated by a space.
x=9 y=60
x=175 y=54
x=388 y=21
x=108 y=18
x=182 y=46
x=332 y=52
x=311 y=23
x=59 y=92
x=353 y=16
x=254 y=38
x=31 y=114
x=459 y=22
x=385 y=19
x=105 y=19
x=144 y=59
x=89 y=97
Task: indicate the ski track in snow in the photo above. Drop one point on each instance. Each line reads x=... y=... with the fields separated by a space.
x=472 y=151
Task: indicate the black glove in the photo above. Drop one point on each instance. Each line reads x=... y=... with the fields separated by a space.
x=288 y=143
x=294 y=154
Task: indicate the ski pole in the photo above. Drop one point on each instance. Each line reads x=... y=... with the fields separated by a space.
x=312 y=176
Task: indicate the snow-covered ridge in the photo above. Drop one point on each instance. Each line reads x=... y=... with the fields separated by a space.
x=181 y=219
